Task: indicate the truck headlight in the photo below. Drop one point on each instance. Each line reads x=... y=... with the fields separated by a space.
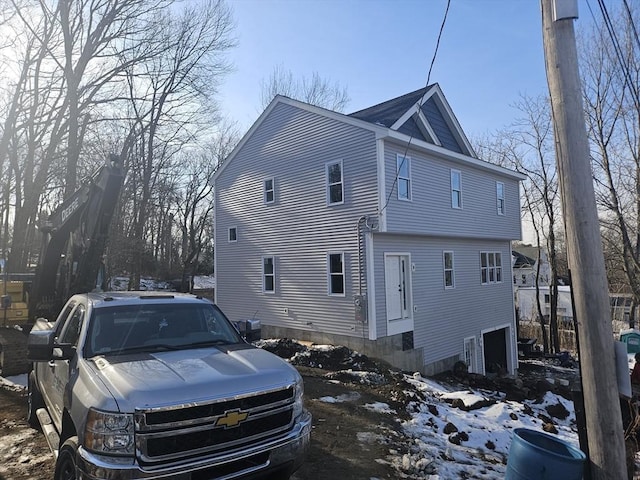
x=109 y=432
x=298 y=403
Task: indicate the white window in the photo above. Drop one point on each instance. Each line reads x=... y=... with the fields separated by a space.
x=403 y=169
x=500 y=197
x=449 y=277
x=335 y=268
x=456 y=189
x=268 y=274
x=335 y=184
x=233 y=234
x=269 y=191
x=490 y=267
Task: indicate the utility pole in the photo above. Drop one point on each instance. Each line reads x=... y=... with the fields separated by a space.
x=584 y=245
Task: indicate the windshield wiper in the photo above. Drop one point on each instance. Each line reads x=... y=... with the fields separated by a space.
x=208 y=343
x=154 y=347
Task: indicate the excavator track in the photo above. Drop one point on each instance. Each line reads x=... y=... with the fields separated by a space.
x=13 y=352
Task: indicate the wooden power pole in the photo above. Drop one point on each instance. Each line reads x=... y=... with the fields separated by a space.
x=584 y=245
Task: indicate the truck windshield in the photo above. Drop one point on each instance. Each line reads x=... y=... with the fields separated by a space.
x=128 y=328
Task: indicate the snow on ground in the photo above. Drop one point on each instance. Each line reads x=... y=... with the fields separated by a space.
x=452 y=433
x=475 y=442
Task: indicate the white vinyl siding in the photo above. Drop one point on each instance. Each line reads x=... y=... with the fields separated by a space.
x=500 y=197
x=233 y=234
x=335 y=273
x=490 y=267
x=335 y=183
x=441 y=316
x=269 y=191
x=456 y=189
x=429 y=212
x=268 y=274
x=403 y=175
x=449 y=273
x=293 y=146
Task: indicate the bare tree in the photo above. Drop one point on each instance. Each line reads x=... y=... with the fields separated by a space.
x=315 y=90
x=527 y=147
x=166 y=95
x=611 y=77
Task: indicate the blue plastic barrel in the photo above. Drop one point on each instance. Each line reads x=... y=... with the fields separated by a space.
x=536 y=455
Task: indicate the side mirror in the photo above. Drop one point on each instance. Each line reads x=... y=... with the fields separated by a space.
x=40 y=345
x=251 y=330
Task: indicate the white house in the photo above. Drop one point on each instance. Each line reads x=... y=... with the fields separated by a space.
x=379 y=230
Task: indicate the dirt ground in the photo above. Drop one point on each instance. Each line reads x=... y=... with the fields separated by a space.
x=348 y=441
x=25 y=454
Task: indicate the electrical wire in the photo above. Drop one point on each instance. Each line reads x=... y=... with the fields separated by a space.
x=419 y=105
x=631 y=22
x=618 y=50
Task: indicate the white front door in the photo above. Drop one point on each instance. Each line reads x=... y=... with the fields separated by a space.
x=397 y=271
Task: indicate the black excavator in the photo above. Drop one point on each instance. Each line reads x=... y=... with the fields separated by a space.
x=74 y=238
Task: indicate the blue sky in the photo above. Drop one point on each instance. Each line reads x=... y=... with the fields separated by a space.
x=490 y=52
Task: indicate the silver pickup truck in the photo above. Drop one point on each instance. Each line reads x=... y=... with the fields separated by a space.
x=140 y=385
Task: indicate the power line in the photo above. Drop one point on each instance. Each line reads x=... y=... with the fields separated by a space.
x=419 y=106
x=618 y=50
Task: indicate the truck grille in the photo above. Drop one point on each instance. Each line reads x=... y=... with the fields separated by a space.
x=165 y=435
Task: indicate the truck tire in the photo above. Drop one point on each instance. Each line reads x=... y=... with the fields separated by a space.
x=34 y=402
x=66 y=463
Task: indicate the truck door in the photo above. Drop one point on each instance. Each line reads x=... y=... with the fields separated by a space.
x=59 y=370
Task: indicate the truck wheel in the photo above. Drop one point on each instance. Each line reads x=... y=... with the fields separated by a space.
x=66 y=463
x=34 y=402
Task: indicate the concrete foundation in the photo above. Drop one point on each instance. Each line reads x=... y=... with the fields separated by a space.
x=389 y=349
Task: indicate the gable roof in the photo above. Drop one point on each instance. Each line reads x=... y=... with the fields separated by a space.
x=432 y=94
x=387 y=113
x=423 y=114
x=522 y=260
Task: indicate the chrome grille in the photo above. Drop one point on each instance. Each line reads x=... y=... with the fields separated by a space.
x=164 y=435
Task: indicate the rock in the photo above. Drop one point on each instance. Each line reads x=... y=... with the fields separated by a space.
x=557 y=411
x=458 y=438
x=433 y=410
x=450 y=428
x=549 y=428
x=544 y=418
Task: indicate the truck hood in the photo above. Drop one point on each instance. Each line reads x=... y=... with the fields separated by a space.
x=144 y=380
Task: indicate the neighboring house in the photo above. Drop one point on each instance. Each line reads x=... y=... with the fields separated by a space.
x=528 y=308
x=378 y=230
x=524 y=261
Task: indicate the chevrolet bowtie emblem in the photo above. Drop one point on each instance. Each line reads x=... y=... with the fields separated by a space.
x=232 y=418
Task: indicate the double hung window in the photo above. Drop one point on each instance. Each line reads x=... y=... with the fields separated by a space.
x=335 y=267
x=335 y=183
x=403 y=174
x=490 y=267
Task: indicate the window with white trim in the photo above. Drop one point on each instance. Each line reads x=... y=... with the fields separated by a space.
x=269 y=191
x=447 y=262
x=403 y=169
x=233 y=234
x=335 y=269
x=490 y=267
x=335 y=183
x=456 y=189
x=500 y=197
x=268 y=274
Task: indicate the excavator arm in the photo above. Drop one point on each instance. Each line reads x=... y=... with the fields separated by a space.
x=74 y=240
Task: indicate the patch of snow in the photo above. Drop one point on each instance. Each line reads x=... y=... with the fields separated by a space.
x=379 y=407
x=345 y=397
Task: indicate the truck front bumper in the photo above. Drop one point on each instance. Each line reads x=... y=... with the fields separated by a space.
x=284 y=452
